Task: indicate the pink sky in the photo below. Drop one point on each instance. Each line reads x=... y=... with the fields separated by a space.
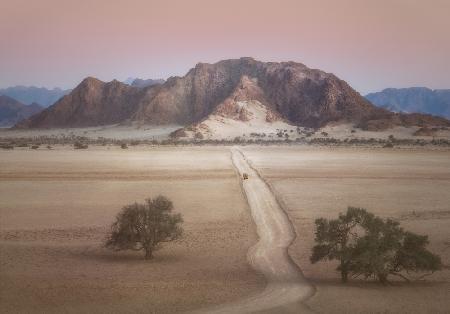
x=370 y=44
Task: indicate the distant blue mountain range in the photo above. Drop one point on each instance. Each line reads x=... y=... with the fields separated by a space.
x=30 y=94
x=414 y=99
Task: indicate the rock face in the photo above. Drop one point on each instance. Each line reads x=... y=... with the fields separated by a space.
x=414 y=99
x=301 y=95
x=12 y=111
x=91 y=103
x=288 y=90
x=235 y=106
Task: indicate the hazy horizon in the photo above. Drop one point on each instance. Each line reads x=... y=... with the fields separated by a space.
x=370 y=44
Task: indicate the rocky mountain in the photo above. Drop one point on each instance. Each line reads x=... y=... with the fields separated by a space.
x=288 y=90
x=245 y=111
x=91 y=103
x=30 y=94
x=414 y=99
x=12 y=111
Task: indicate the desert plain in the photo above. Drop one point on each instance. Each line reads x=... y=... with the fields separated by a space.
x=56 y=207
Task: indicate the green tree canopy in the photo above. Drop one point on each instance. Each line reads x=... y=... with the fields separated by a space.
x=367 y=245
x=145 y=226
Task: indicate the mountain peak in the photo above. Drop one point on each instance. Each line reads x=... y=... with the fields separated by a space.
x=90 y=81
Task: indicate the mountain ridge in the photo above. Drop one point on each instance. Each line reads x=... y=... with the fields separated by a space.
x=29 y=94
x=413 y=99
x=12 y=111
x=298 y=94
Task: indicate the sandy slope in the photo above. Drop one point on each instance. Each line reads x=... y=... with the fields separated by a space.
x=286 y=286
x=217 y=126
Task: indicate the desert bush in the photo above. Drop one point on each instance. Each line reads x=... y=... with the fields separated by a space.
x=145 y=226
x=35 y=146
x=124 y=146
x=369 y=246
x=237 y=140
x=198 y=136
x=79 y=145
x=324 y=134
x=178 y=133
x=6 y=146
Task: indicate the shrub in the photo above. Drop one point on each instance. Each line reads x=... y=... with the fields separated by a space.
x=123 y=146
x=178 y=133
x=35 y=146
x=79 y=145
x=198 y=136
x=6 y=146
x=145 y=226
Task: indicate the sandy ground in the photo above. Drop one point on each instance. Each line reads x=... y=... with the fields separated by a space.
x=408 y=185
x=55 y=207
x=119 y=132
x=219 y=127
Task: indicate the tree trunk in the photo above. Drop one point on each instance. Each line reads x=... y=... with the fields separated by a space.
x=383 y=279
x=344 y=275
x=148 y=253
x=344 y=272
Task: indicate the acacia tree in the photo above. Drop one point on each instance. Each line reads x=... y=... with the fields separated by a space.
x=145 y=226
x=367 y=245
x=386 y=249
x=336 y=239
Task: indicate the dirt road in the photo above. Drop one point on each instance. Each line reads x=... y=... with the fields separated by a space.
x=286 y=286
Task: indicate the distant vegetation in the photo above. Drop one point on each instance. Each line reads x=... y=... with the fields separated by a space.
x=369 y=246
x=82 y=142
x=79 y=145
x=145 y=226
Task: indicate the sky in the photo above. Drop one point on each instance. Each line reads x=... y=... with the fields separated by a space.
x=371 y=44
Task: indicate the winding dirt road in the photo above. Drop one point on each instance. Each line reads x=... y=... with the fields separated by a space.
x=286 y=286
